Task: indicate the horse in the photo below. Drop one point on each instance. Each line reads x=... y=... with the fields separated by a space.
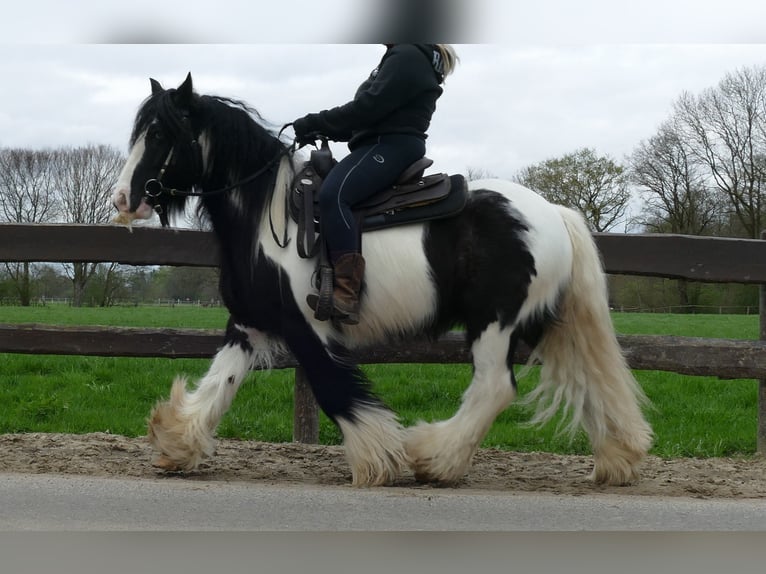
x=509 y=268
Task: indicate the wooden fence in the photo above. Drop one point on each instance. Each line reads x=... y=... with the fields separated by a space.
x=712 y=260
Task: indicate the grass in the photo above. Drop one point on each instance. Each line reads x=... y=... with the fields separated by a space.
x=713 y=326
x=691 y=416
x=171 y=317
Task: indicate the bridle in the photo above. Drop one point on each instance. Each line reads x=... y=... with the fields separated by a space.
x=154 y=188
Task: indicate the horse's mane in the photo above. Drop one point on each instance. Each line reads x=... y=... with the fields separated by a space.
x=236 y=129
x=236 y=140
x=237 y=132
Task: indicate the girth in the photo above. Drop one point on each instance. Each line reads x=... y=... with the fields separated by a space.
x=413 y=198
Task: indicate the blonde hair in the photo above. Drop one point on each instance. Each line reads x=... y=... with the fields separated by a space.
x=449 y=58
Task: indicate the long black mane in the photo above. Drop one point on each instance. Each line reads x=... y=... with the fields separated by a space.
x=233 y=139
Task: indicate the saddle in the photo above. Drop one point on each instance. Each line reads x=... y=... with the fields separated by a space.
x=414 y=197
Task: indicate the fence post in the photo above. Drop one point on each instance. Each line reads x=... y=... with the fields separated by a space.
x=306 y=413
x=761 y=441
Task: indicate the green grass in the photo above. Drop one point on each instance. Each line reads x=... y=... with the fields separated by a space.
x=712 y=326
x=691 y=416
x=172 y=317
x=697 y=416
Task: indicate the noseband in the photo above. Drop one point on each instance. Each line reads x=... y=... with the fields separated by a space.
x=153 y=188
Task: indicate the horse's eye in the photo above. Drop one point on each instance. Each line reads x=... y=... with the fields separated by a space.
x=155 y=133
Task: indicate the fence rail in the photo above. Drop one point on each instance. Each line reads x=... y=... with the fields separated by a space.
x=712 y=260
x=706 y=259
x=724 y=358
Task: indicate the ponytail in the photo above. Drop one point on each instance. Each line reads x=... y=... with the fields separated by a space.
x=449 y=58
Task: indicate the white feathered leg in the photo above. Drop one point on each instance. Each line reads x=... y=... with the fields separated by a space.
x=443 y=451
x=182 y=428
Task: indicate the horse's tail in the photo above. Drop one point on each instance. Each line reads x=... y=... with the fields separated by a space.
x=584 y=371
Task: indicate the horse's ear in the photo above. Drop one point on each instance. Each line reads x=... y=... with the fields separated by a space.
x=156 y=87
x=185 y=91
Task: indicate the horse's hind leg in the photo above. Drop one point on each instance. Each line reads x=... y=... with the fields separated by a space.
x=443 y=451
x=182 y=428
x=584 y=371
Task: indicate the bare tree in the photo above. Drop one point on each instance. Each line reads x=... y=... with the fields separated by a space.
x=677 y=197
x=476 y=173
x=724 y=128
x=596 y=186
x=26 y=196
x=26 y=186
x=673 y=185
x=84 y=179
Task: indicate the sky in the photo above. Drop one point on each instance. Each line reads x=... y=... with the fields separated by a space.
x=533 y=82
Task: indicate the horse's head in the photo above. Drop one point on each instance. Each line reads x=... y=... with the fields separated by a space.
x=164 y=156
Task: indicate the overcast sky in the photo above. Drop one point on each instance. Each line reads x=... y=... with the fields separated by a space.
x=559 y=84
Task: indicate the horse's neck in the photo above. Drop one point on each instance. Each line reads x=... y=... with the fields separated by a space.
x=236 y=214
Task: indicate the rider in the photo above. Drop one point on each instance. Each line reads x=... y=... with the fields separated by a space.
x=385 y=126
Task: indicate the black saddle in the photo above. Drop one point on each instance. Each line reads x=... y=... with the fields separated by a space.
x=414 y=197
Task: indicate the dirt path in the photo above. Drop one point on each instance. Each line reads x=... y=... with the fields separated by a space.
x=110 y=455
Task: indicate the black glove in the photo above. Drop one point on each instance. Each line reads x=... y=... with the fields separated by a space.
x=305 y=133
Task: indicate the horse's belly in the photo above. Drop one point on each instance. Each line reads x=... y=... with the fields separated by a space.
x=399 y=295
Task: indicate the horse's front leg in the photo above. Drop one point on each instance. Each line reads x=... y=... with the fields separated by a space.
x=373 y=438
x=182 y=429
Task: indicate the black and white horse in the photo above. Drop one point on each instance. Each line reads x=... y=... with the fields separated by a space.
x=509 y=267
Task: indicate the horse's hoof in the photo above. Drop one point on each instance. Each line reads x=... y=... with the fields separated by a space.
x=165 y=463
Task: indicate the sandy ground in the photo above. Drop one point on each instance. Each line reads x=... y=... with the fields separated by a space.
x=106 y=455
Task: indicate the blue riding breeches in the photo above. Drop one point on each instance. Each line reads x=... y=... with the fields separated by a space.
x=369 y=168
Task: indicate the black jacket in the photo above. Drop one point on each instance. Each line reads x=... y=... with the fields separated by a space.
x=399 y=97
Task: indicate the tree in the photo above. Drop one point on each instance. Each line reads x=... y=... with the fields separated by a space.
x=26 y=196
x=139 y=283
x=594 y=185
x=51 y=283
x=105 y=286
x=677 y=197
x=476 y=173
x=84 y=179
x=725 y=128
x=26 y=186
x=192 y=283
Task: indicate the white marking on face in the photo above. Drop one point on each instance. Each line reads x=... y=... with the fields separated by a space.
x=122 y=189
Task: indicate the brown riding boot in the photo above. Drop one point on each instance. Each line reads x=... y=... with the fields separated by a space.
x=349 y=270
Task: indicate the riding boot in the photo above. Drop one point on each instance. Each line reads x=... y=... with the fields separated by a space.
x=349 y=271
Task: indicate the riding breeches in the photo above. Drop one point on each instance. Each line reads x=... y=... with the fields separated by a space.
x=367 y=170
